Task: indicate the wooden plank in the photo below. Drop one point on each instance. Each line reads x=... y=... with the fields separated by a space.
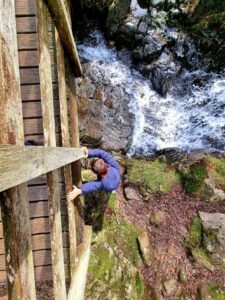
x=41 y=225
x=28 y=58
x=14 y=202
x=66 y=143
x=41 y=273
x=25 y=7
x=61 y=19
x=31 y=76
x=32 y=92
x=19 y=164
x=40 y=209
x=34 y=126
x=40 y=192
x=27 y=41
x=41 y=258
x=33 y=109
x=76 y=167
x=50 y=140
x=78 y=282
x=40 y=242
x=26 y=25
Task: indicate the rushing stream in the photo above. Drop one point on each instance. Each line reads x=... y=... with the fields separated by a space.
x=191 y=116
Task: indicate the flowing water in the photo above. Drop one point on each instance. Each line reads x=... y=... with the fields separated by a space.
x=191 y=116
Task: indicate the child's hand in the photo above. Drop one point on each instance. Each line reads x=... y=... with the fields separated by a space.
x=85 y=149
x=72 y=195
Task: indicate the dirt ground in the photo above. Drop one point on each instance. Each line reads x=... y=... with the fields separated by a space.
x=171 y=255
x=44 y=291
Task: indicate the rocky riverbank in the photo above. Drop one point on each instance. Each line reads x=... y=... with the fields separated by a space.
x=161 y=236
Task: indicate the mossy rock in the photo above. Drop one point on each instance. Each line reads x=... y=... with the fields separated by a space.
x=193 y=179
x=217 y=167
x=196 y=234
x=205 y=178
x=154 y=176
x=88 y=175
x=212 y=291
x=114 y=256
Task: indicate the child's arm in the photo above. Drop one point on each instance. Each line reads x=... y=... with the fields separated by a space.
x=108 y=158
x=86 y=188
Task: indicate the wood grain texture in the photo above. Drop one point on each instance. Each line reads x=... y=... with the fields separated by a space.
x=25 y=7
x=35 y=126
x=31 y=75
x=28 y=58
x=66 y=143
x=33 y=109
x=27 y=41
x=61 y=19
x=41 y=258
x=40 y=242
x=26 y=25
x=41 y=273
x=50 y=140
x=78 y=282
x=14 y=202
x=19 y=164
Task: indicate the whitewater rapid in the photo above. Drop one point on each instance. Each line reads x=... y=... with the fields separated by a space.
x=191 y=116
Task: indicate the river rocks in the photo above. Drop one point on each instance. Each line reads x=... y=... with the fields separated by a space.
x=157 y=217
x=130 y=193
x=118 y=10
x=214 y=235
x=170 y=287
x=146 y=248
x=101 y=115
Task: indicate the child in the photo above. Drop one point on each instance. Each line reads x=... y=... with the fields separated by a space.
x=107 y=170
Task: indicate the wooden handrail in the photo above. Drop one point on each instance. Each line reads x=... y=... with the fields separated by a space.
x=77 y=286
x=19 y=164
x=61 y=19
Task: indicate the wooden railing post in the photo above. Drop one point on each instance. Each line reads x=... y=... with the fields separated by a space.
x=50 y=140
x=66 y=143
x=14 y=202
x=76 y=166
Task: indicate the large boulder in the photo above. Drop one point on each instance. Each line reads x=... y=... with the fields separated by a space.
x=214 y=235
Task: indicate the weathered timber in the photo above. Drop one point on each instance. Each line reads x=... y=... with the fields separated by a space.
x=27 y=41
x=41 y=225
x=66 y=143
x=14 y=202
x=28 y=58
x=26 y=24
x=61 y=19
x=33 y=109
x=77 y=286
x=40 y=242
x=50 y=140
x=41 y=273
x=76 y=166
x=25 y=7
x=31 y=76
x=19 y=164
x=41 y=258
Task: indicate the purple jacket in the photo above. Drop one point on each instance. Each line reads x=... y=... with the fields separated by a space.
x=112 y=179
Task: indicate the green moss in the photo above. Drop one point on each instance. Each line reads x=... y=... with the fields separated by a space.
x=218 y=170
x=139 y=285
x=216 y=293
x=196 y=235
x=88 y=175
x=192 y=181
x=112 y=202
x=155 y=176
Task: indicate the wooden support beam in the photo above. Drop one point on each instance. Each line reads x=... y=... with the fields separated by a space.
x=76 y=166
x=78 y=282
x=50 y=140
x=66 y=143
x=14 y=202
x=19 y=164
x=61 y=19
